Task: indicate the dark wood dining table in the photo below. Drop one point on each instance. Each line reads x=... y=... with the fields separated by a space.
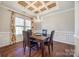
x=40 y=38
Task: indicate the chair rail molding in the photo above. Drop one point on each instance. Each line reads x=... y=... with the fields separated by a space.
x=4 y=32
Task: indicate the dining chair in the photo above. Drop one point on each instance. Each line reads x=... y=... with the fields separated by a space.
x=44 y=32
x=49 y=41
x=27 y=41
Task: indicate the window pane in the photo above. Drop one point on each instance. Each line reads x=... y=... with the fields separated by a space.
x=27 y=28
x=19 y=30
x=28 y=23
x=19 y=21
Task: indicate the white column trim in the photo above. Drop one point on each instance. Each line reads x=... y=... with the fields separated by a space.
x=76 y=36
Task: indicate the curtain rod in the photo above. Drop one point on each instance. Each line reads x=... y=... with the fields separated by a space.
x=21 y=14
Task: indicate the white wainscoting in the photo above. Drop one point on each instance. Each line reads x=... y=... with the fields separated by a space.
x=60 y=36
x=64 y=37
x=5 y=39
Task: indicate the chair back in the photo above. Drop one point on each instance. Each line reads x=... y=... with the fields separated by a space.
x=51 y=36
x=44 y=32
x=29 y=32
x=26 y=37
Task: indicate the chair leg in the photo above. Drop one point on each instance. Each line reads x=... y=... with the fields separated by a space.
x=42 y=48
x=24 y=50
x=37 y=47
x=30 y=52
x=49 y=49
x=24 y=46
x=40 y=45
x=52 y=46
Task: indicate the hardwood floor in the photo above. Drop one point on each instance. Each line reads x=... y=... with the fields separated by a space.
x=16 y=50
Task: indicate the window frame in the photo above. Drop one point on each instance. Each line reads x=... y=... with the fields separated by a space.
x=24 y=26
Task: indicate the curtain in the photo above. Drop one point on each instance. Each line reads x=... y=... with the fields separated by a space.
x=12 y=27
x=32 y=21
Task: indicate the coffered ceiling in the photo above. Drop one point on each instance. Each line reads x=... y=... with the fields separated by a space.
x=37 y=6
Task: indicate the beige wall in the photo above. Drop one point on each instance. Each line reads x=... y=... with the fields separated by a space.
x=4 y=20
x=63 y=23
x=4 y=27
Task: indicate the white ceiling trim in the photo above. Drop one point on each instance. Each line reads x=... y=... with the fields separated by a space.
x=13 y=10
x=16 y=7
x=57 y=12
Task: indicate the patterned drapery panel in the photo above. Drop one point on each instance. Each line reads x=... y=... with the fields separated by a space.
x=33 y=24
x=12 y=27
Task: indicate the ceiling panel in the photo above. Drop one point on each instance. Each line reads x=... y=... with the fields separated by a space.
x=30 y=1
x=43 y=9
x=36 y=11
x=46 y=1
x=38 y=4
x=22 y=3
x=51 y=5
x=31 y=8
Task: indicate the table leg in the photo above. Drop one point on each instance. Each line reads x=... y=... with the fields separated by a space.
x=42 y=48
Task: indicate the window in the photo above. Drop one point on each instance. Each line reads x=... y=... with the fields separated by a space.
x=21 y=25
x=27 y=24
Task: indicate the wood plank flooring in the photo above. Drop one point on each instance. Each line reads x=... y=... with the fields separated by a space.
x=16 y=50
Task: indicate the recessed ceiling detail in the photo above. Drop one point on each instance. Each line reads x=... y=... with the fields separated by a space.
x=43 y=9
x=38 y=6
x=30 y=1
x=36 y=11
x=22 y=3
x=46 y=1
x=31 y=8
x=51 y=5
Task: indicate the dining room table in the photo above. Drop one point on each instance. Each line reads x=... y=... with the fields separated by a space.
x=40 y=38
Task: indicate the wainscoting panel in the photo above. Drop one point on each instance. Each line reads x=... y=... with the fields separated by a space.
x=60 y=36
x=4 y=38
x=64 y=37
